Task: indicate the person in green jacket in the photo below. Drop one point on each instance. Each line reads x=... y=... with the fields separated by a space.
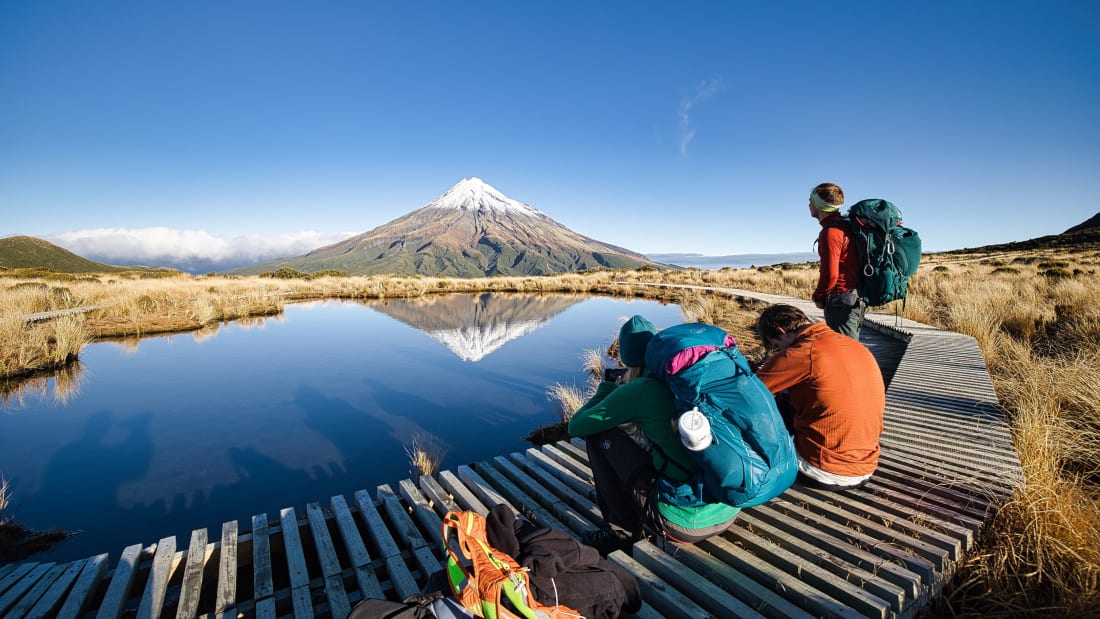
x=624 y=471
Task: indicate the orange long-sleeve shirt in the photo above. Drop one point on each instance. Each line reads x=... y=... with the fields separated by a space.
x=838 y=395
x=839 y=269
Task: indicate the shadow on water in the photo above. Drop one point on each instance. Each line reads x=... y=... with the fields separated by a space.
x=90 y=471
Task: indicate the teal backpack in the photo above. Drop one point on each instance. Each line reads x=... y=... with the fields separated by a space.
x=889 y=253
x=751 y=457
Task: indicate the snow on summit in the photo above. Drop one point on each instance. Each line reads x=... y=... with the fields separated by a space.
x=475 y=194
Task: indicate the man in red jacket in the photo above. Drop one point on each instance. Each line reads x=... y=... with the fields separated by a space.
x=836 y=391
x=838 y=277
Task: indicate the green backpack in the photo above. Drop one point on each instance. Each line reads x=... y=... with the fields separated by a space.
x=889 y=253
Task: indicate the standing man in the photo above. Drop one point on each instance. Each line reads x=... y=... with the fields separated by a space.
x=839 y=271
x=836 y=393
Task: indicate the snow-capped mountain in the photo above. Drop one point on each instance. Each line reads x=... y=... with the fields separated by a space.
x=472 y=230
x=477 y=195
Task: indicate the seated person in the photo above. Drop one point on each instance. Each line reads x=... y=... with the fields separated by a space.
x=623 y=470
x=836 y=396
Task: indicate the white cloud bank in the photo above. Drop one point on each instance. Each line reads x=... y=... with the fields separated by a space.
x=195 y=251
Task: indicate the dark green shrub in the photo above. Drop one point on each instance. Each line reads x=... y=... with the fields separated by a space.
x=1006 y=271
x=1057 y=273
x=288 y=273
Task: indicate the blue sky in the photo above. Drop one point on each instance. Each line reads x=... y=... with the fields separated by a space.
x=239 y=126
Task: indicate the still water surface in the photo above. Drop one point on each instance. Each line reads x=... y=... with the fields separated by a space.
x=169 y=434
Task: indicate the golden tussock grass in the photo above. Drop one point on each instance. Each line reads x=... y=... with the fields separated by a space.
x=1034 y=316
x=426 y=453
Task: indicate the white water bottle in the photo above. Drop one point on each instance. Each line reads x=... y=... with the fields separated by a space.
x=694 y=430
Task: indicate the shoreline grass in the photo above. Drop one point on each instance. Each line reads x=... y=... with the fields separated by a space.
x=1032 y=313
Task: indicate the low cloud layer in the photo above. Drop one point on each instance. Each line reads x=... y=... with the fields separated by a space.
x=194 y=251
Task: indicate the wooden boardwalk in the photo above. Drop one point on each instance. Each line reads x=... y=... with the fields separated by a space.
x=881 y=551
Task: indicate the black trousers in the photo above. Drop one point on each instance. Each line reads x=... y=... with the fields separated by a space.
x=623 y=473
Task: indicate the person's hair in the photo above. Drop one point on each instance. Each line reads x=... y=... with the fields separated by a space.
x=786 y=317
x=632 y=372
x=831 y=193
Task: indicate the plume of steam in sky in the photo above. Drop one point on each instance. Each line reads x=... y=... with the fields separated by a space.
x=194 y=251
x=703 y=91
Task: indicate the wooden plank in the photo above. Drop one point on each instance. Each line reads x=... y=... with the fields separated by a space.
x=948 y=520
x=292 y=543
x=938 y=556
x=485 y=492
x=966 y=484
x=422 y=511
x=865 y=539
x=265 y=608
x=805 y=540
x=853 y=503
x=400 y=576
x=191 y=588
x=227 y=570
x=662 y=597
x=934 y=448
x=406 y=531
x=34 y=593
x=153 y=599
x=845 y=581
x=263 y=584
x=584 y=504
x=562 y=511
x=4 y=571
x=14 y=574
x=52 y=598
x=974 y=507
x=462 y=495
x=440 y=498
x=330 y=563
x=302 y=603
x=86 y=584
x=794 y=589
x=566 y=455
x=771 y=604
x=369 y=586
x=296 y=564
x=528 y=507
x=123 y=579
x=577 y=448
x=700 y=590
x=565 y=475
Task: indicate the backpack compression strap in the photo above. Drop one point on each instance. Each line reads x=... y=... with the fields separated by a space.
x=479 y=573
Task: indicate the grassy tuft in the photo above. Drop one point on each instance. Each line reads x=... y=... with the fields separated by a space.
x=426 y=453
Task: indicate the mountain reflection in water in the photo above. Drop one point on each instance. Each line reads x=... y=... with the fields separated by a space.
x=473 y=326
x=163 y=435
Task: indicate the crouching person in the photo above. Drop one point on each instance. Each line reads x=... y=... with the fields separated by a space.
x=835 y=397
x=624 y=471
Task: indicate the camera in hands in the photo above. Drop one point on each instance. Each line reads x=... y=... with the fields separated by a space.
x=614 y=374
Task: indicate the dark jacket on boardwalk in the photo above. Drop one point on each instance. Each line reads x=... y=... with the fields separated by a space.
x=562 y=566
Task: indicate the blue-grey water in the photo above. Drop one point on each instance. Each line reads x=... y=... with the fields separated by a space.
x=173 y=433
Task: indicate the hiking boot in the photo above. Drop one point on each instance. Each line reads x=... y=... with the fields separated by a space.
x=607 y=540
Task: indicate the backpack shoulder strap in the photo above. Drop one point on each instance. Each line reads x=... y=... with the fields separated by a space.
x=479 y=575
